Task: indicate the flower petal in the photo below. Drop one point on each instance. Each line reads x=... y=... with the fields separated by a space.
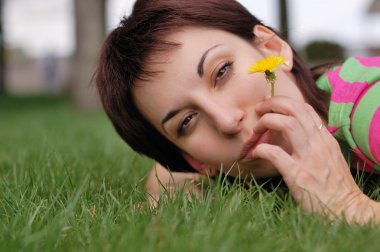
x=269 y=63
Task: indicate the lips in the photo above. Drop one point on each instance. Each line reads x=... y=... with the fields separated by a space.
x=252 y=143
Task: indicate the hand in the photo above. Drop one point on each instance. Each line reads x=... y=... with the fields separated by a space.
x=315 y=169
x=162 y=182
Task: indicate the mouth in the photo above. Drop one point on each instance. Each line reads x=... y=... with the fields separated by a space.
x=252 y=143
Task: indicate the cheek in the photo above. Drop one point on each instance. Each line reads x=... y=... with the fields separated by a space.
x=210 y=148
x=250 y=89
x=285 y=86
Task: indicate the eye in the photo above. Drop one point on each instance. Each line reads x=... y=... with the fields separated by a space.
x=223 y=71
x=185 y=123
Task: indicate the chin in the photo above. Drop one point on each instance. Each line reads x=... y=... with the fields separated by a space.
x=258 y=169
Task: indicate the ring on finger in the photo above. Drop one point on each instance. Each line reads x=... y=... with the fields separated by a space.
x=321 y=127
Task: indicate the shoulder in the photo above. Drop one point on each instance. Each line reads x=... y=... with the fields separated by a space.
x=357 y=72
x=361 y=69
x=347 y=83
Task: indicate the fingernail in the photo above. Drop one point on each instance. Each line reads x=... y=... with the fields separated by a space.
x=267 y=97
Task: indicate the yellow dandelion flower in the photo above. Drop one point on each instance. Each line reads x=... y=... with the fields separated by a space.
x=267 y=66
x=269 y=63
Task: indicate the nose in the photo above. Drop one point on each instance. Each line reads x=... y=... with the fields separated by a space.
x=227 y=119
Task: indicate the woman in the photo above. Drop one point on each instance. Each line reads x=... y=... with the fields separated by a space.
x=173 y=80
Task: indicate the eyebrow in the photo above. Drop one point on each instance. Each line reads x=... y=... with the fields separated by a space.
x=200 y=70
x=169 y=116
x=202 y=61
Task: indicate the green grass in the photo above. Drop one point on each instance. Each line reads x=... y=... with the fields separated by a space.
x=68 y=183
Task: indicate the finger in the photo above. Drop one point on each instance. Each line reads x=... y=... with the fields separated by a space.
x=287 y=106
x=284 y=163
x=314 y=115
x=290 y=128
x=289 y=171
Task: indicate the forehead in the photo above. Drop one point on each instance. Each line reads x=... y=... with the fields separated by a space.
x=176 y=70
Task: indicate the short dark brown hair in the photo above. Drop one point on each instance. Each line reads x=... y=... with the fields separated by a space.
x=125 y=52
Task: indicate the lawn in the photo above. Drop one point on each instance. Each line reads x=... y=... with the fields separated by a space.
x=68 y=183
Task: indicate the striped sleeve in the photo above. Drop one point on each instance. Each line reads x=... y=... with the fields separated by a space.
x=366 y=113
x=354 y=107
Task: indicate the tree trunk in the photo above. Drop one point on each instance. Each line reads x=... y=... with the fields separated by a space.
x=283 y=13
x=90 y=32
x=374 y=7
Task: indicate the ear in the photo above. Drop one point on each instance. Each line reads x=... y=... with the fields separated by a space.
x=269 y=43
x=199 y=166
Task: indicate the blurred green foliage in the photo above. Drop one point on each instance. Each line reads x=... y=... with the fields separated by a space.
x=322 y=51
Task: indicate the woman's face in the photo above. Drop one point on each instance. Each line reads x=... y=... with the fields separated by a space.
x=203 y=100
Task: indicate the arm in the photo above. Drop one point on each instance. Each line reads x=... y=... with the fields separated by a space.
x=354 y=109
x=161 y=181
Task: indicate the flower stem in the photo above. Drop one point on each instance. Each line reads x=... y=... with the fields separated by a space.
x=272 y=88
x=271 y=78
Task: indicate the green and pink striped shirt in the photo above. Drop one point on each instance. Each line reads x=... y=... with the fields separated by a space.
x=354 y=110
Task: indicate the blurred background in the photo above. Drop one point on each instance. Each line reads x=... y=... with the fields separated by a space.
x=50 y=47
